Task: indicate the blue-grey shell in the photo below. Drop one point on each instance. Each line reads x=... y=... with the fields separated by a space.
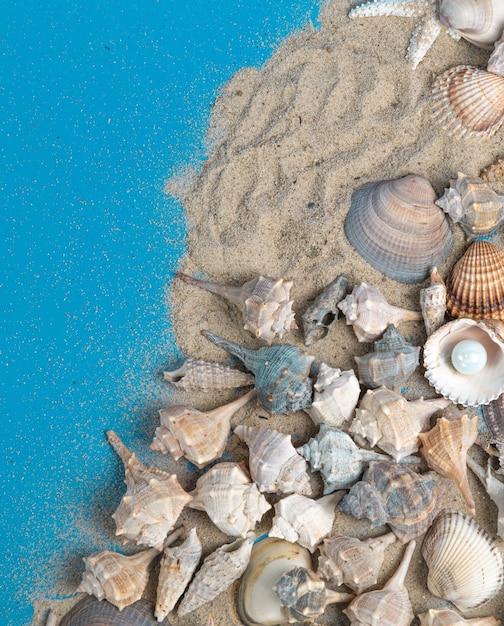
x=92 y=612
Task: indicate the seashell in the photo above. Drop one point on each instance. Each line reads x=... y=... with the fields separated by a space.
x=447 y=617
x=274 y=464
x=264 y=302
x=256 y=600
x=473 y=204
x=465 y=564
x=390 y=361
x=305 y=595
x=153 y=501
x=175 y=572
x=433 y=303
x=367 y=310
x=91 y=612
x=352 y=562
x=389 y=606
x=338 y=459
x=115 y=577
x=300 y=519
x=219 y=570
x=281 y=373
x=196 y=375
x=468 y=389
x=335 y=396
x=480 y=22
x=230 y=499
x=468 y=101
x=396 y=227
x=323 y=312
x=475 y=286
x=387 y=420
x=445 y=449
x=51 y=620
x=494 y=487
x=200 y=437
x=392 y=494
x=494 y=174
x=493 y=415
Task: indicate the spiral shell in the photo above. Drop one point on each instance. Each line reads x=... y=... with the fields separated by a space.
x=323 y=312
x=480 y=22
x=197 y=375
x=447 y=617
x=465 y=564
x=433 y=302
x=92 y=612
x=396 y=227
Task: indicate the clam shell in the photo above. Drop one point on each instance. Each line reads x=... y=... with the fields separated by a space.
x=433 y=303
x=468 y=100
x=447 y=617
x=91 y=612
x=465 y=389
x=475 y=285
x=197 y=375
x=480 y=22
x=323 y=312
x=396 y=227
x=465 y=564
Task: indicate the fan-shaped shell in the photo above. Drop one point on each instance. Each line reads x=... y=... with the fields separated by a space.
x=92 y=612
x=396 y=227
x=465 y=564
x=466 y=389
x=197 y=375
x=469 y=100
x=447 y=617
x=323 y=312
x=480 y=22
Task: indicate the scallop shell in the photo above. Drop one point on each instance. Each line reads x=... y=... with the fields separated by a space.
x=447 y=617
x=281 y=373
x=465 y=389
x=393 y=494
x=335 y=396
x=323 y=312
x=433 y=302
x=494 y=487
x=390 y=361
x=445 y=449
x=387 y=420
x=338 y=459
x=480 y=22
x=473 y=204
x=300 y=519
x=219 y=570
x=91 y=612
x=177 y=567
x=389 y=606
x=274 y=464
x=475 y=285
x=200 y=437
x=352 y=562
x=115 y=577
x=230 y=499
x=153 y=501
x=468 y=100
x=396 y=227
x=197 y=375
x=264 y=302
x=465 y=564
x=369 y=313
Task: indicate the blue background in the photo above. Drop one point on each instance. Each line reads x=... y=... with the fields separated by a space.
x=100 y=103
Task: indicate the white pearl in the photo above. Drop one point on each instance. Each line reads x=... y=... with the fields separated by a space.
x=469 y=357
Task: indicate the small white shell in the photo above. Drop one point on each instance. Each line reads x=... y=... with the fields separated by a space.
x=433 y=302
x=197 y=375
x=447 y=617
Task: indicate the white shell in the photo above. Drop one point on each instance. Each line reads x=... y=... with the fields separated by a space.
x=197 y=375
x=480 y=22
x=465 y=564
x=447 y=617
x=494 y=488
x=231 y=500
x=300 y=519
x=468 y=390
x=433 y=302
x=335 y=397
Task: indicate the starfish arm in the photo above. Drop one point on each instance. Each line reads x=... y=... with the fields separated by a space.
x=397 y=8
x=423 y=37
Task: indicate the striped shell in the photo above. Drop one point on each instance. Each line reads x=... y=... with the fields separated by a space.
x=447 y=617
x=92 y=612
x=469 y=100
x=475 y=285
x=465 y=564
x=197 y=375
x=396 y=227
x=480 y=22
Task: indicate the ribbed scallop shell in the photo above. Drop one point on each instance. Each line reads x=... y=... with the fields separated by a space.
x=92 y=612
x=469 y=100
x=475 y=285
x=396 y=227
x=465 y=389
x=480 y=22
x=447 y=617
x=465 y=564
x=197 y=375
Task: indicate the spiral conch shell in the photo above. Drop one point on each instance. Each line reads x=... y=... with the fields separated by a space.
x=323 y=312
x=369 y=313
x=197 y=375
x=480 y=22
x=396 y=227
x=199 y=437
x=433 y=302
x=465 y=564
x=264 y=302
x=153 y=501
x=447 y=617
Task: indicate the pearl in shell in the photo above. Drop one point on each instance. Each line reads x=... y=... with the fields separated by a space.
x=469 y=357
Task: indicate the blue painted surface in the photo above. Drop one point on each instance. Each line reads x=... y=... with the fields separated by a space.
x=101 y=102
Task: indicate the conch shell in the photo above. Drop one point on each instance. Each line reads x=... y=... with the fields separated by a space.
x=433 y=303
x=447 y=617
x=197 y=375
x=323 y=312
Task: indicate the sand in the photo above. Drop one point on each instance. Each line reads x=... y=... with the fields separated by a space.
x=287 y=145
